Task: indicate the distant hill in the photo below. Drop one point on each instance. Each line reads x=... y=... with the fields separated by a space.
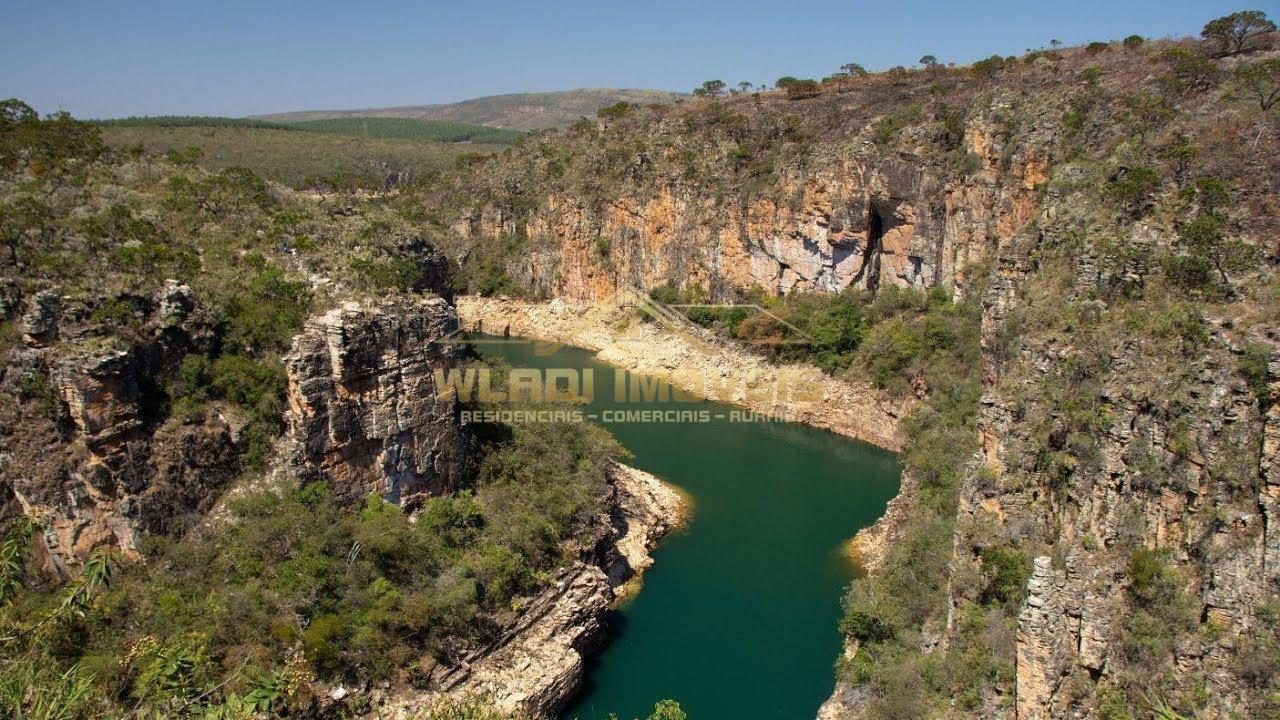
x=521 y=111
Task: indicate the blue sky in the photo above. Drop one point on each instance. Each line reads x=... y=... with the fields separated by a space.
x=230 y=57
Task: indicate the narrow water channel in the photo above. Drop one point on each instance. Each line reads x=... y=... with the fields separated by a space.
x=737 y=617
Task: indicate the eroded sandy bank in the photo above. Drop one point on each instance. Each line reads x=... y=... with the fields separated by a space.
x=724 y=373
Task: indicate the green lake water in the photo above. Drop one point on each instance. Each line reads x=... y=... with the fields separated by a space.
x=737 y=618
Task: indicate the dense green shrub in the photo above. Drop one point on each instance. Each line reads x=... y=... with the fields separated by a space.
x=1255 y=367
x=798 y=88
x=1189 y=70
x=543 y=481
x=886 y=129
x=1238 y=32
x=988 y=68
x=1151 y=581
x=916 y=337
x=819 y=328
x=387 y=274
x=617 y=110
x=1132 y=186
x=265 y=316
x=45 y=145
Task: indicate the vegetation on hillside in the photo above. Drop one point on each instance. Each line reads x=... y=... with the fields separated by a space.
x=188 y=121
x=1164 y=167
x=388 y=128
x=886 y=612
x=411 y=129
x=322 y=160
x=108 y=229
x=296 y=587
x=349 y=153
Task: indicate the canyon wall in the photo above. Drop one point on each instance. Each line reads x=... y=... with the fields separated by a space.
x=364 y=415
x=1180 y=461
x=853 y=217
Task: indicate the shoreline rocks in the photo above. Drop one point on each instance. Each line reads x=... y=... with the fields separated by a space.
x=538 y=664
x=645 y=511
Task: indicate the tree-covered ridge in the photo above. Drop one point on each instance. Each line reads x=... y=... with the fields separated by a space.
x=317 y=161
x=339 y=153
x=411 y=129
x=394 y=128
x=524 y=112
x=189 y=121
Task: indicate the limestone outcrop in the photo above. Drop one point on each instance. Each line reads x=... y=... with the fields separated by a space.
x=854 y=218
x=364 y=412
x=88 y=459
x=539 y=663
x=642 y=511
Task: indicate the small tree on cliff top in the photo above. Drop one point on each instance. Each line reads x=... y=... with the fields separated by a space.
x=710 y=88
x=1239 y=31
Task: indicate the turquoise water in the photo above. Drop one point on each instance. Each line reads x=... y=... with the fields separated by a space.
x=737 y=617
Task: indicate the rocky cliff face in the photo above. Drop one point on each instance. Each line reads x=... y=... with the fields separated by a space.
x=1107 y=455
x=363 y=414
x=1176 y=461
x=858 y=219
x=364 y=411
x=85 y=455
